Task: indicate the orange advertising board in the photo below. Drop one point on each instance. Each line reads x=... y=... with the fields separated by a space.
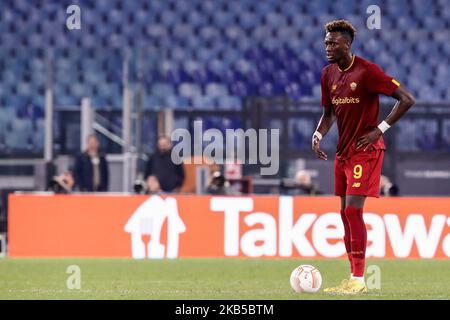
x=212 y=226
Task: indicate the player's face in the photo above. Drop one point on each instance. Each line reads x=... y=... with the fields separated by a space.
x=336 y=46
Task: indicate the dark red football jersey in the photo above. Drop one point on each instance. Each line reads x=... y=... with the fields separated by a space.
x=353 y=95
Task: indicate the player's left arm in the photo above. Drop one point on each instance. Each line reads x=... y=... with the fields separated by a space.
x=378 y=82
x=405 y=100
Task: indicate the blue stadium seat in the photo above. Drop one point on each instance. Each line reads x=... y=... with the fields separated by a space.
x=397 y=48
x=162 y=90
x=182 y=31
x=247 y=20
x=204 y=55
x=15 y=101
x=243 y=89
x=282 y=78
x=446 y=48
x=427 y=93
x=216 y=90
x=293 y=90
x=152 y=102
x=319 y=6
x=184 y=6
x=343 y=8
x=241 y=6
x=286 y=34
x=176 y=77
x=447 y=94
x=20 y=140
x=301 y=21
x=229 y=103
x=65 y=100
x=290 y=9
x=22 y=125
x=224 y=19
x=396 y=8
x=189 y=90
x=196 y=19
x=38 y=136
x=175 y=102
x=275 y=20
x=7 y=113
x=203 y=102
x=421 y=72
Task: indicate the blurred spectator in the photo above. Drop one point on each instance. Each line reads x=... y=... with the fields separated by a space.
x=160 y=165
x=62 y=183
x=91 y=168
x=387 y=188
x=218 y=184
x=139 y=187
x=150 y=186
x=153 y=186
x=303 y=184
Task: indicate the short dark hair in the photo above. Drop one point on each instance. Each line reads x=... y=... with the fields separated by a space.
x=342 y=26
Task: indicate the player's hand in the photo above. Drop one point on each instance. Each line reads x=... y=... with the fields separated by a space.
x=367 y=140
x=316 y=147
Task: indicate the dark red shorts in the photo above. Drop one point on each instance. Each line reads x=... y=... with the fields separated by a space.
x=359 y=174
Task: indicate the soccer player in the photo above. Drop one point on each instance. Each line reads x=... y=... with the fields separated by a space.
x=350 y=89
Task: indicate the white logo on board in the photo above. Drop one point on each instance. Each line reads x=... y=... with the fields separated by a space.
x=148 y=220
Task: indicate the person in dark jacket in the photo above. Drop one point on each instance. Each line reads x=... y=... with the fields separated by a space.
x=160 y=165
x=91 y=168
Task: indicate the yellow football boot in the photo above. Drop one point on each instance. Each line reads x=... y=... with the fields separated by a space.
x=353 y=287
x=337 y=289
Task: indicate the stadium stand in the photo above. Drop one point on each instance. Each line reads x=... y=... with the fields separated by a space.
x=204 y=54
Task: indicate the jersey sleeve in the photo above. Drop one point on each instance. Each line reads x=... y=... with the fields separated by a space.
x=325 y=92
x=378 y=82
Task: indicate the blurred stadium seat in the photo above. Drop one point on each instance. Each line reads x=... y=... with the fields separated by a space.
x=211 y=54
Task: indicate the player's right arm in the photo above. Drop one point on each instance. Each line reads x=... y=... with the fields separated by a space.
x=325 y=122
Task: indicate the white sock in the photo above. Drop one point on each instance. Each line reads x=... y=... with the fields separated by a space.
x=360 y=279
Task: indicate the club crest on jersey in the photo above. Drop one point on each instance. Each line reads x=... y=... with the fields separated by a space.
x=353 y=86
x=333 y=87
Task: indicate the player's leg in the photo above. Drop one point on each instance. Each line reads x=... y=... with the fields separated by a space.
x=340 y=189
x=358 y=232
x=363 y=172
x=358 y=240
x=340 y=186
x=347 y=239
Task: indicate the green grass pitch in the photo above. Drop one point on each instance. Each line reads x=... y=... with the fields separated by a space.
x=210 y=279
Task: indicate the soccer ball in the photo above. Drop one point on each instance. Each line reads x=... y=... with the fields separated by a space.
x=306 y=278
